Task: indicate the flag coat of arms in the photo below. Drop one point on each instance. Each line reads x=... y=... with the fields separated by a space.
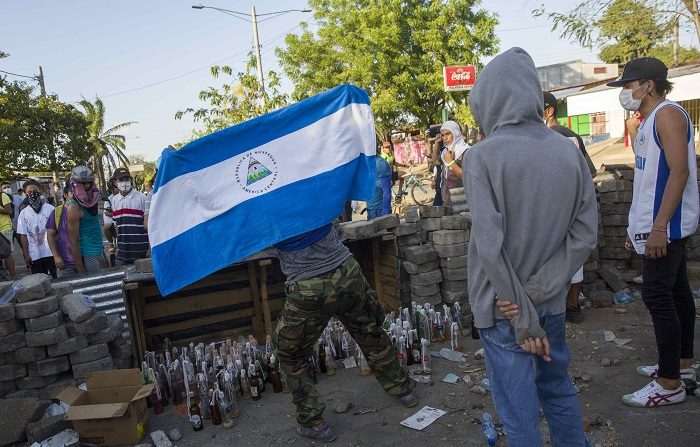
x=235 y=192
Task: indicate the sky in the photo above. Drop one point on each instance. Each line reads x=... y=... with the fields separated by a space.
x=147 y=59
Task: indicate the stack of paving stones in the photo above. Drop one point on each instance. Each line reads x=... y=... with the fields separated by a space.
x=451 y=244
x=51 y=338
x=615 y=189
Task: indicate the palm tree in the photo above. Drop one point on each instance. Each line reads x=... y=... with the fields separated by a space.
x=109 y=146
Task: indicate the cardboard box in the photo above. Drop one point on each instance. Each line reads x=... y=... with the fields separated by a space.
x=113 y=409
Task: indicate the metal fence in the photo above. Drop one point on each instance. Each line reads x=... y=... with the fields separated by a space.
x=105 y=289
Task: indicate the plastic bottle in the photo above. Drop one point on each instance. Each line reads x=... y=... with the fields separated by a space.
x=362 y=364
x=489 y=430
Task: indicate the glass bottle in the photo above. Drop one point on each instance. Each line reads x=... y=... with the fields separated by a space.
x=415 y=348
x=214 y=408
x=330 y=363
x=322 y=358
x=425 y=355
x=275 y=376
x=254 y=383
x=195 y=415
x=245 y=385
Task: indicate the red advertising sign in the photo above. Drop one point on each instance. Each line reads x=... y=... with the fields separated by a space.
x=461 y=77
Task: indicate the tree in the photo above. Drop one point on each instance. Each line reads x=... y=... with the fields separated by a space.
x=108 y=146
x=394 y=49
x=237 y=100
x=39 y=134
x=142 y=177
x=580 y=23
x=633 y=28
x=665 y=53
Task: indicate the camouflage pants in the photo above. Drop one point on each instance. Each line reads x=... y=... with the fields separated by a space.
x=310 y=303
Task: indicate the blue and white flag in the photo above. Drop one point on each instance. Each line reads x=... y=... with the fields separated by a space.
x=233 y=193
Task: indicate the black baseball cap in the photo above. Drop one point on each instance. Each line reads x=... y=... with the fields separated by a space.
x=642 y=68
x=120 y=172
x=549 y=100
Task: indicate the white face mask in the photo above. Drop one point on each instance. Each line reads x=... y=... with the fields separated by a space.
x=124 y=186
x=7 y=190
x=628 y=102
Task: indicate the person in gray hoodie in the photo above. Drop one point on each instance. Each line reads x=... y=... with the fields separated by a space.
x=534 y=223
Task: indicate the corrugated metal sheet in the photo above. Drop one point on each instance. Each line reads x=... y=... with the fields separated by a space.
x=105 y=289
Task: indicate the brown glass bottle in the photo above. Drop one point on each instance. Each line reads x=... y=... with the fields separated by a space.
x=214 y=408
x=275 y=376
x=254 y=383
x=195 y=414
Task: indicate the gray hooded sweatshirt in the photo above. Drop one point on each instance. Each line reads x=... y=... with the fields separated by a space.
x=532 y=202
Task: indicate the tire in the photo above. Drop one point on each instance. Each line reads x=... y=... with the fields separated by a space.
x=416 y=193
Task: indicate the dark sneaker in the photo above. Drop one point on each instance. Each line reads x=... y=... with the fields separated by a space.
x=574 y=314
x=322 y=434
x=409 y=400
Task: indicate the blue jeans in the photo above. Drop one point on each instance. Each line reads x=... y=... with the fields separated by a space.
x=522 y=383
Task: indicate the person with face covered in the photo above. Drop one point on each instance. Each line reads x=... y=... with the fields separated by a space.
x=31 y=226
x=663 y=214
x=128 y=211
x=451 y=158
x=84 y=230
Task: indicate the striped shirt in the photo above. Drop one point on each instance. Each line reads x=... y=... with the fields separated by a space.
x=127 y=213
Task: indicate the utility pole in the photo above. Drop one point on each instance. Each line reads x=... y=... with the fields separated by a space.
x=52 y=149
x=676 y=28
x=256 y=42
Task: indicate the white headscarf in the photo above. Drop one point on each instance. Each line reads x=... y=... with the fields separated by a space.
x=458 y=146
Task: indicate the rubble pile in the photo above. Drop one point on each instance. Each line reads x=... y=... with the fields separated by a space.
x=51 y=337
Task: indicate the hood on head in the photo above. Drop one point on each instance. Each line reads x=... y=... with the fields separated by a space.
x=507 y=92
x=456 y=132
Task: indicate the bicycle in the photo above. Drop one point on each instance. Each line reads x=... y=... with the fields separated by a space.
x=413 y=181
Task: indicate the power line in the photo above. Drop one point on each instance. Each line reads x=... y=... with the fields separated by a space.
x=523 y=28
x=19 y=75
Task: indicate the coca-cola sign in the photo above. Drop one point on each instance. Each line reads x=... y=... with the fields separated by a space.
x=460 y=77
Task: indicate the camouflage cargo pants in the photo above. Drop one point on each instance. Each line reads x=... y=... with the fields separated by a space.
x=310 y=303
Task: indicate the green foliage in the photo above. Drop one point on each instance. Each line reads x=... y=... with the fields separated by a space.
x=581 y=23
x=108 y=146
x=665 y=53
x=237 y=100
x=394 y=49
x=633 y=28
x=40 y=134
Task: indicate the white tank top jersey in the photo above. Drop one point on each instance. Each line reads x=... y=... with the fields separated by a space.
x=650 y=176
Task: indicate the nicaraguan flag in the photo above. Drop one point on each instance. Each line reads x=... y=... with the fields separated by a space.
x=233 y=193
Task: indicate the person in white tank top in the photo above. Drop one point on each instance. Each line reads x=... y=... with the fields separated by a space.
x=664 y=213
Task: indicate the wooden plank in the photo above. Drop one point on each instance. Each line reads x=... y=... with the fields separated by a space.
x=265 y=302
x=389 y=280
x=253 y=287
x=178 y=306
x=138 y=308
x=196 y=322
x=391 y=272
x=276 y=288
x=276 y=305
x=377 y=273
x=208 y=338
x=216 y=279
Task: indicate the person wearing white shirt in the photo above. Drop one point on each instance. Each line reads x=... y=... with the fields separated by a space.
x=31 y=226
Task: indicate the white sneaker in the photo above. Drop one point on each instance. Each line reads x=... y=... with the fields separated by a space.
x=654 y=395
x=653 y=371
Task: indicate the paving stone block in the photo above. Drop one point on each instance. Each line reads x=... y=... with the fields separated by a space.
x=49 y=321
x=78 y=307
x=411 y=239
x=601 y=298
x=406 y=228
x=95 y=323
x=90 y=354
x=386 y=222
x=121 y=351
x=47 y=337
x=616 y=197
x=432 y=211
x=33 y=287
x=455 y=286
x=7 y=312
x=420 y=254
x=358 y=229
x=451 y=251
x=143 y=265
x=431 y=224
x=35 y=382
x=51 y=391
x=5 y=286
x=454 y=262
x=450 y=237
x=47 y=427
x=413 y=268
x=614 y=231
x=7 y=387
x=432 y=299
x=30 y=355
x=12 y=342
x=125 y=363
x=612 y=277
x=49 y=367
x=21 y=394
x=459 y=274
x=61 y=289
x=615 y=186
x=614 y=208
x=37 y=308
x=456 y=222
x=15 y=415
x=8 y=327
x=428 y=290
x=614 y=253
x=71 y=344
x=82 y=369
x=113 y=330
x=412 y=214
x=427 y=278
x=615 y=220
x=451 y=297
x=12 y=372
